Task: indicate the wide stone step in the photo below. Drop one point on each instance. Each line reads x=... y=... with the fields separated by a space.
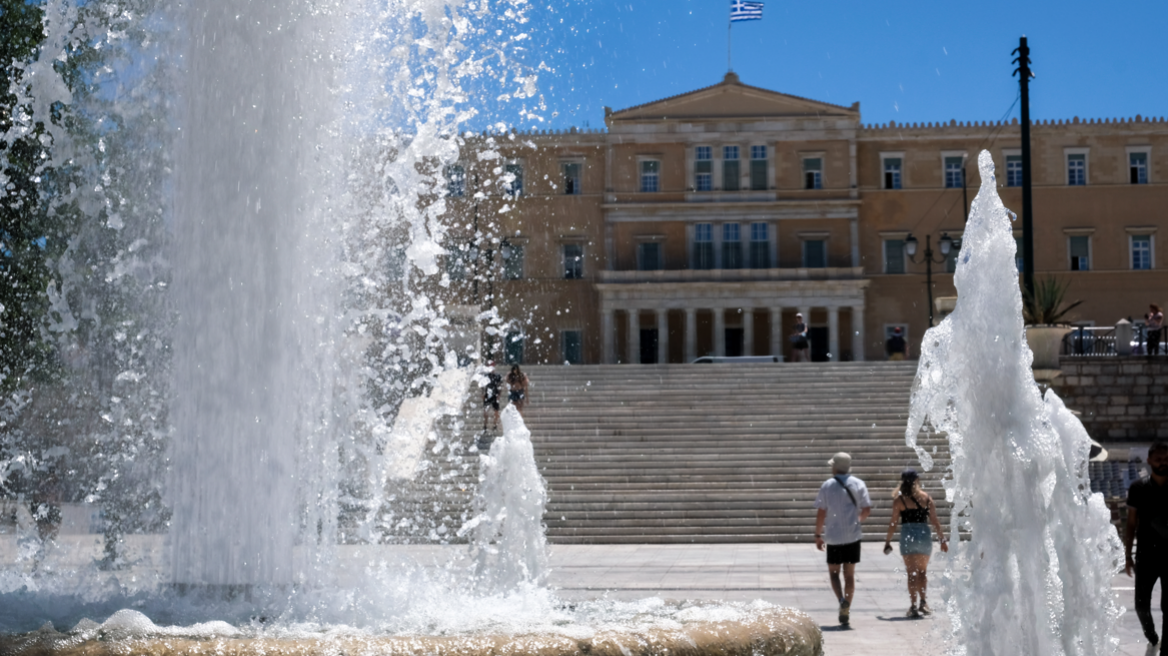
x=688 y=453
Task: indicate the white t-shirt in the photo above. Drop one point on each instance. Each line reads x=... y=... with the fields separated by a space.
x=842 y=525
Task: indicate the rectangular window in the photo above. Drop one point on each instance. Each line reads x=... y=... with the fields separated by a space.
x=1018 y=260
x=1138 y=167
x=1080 y=253
x=893 y=256
x=703 y=168
x=649 y=256
x=730 y=172
x=513 y=346
x=814 y=253
x=455 y=181
x=758 y=168
x=572 y=347
x=650 y=176
x=704 y=246
x=731 y=246
x=1013 y=170
x=1141 y=252
x=954 y=174
x=395 y=263
x=513 y=179
x=571 y=178
x=573 y=262
x=1076 y=170
x=813 y=173
x=892 y=173
x=512 y=261
x=456 y=261
x=760 y=246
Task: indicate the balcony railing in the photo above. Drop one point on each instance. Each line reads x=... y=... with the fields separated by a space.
x=731 y=275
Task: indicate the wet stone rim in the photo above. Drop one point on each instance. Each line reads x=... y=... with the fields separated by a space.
x=777 y=632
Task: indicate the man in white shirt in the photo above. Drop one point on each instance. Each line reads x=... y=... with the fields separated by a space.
x=842 y=504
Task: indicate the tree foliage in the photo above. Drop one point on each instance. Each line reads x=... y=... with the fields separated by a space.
x=25 y=271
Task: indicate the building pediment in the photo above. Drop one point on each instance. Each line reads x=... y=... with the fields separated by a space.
x=731 y=99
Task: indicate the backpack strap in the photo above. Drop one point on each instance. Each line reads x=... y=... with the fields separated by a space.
x=849 y=491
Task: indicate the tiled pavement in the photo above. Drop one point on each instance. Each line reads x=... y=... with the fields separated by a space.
x=787 y=574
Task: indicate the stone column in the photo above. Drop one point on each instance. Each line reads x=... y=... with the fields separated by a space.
x=719 y=332
x=833 y=333
x=662 y=336
x=854 y=234
x=634 y=336
x=806 y=311
x=691 y=335
x=607 y=337
x=747 y=331
x=858 y=333
x=778 y=344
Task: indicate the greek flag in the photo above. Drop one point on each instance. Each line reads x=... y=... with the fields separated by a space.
x=740 y=10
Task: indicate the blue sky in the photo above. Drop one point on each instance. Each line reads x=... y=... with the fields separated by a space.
x=903 y=61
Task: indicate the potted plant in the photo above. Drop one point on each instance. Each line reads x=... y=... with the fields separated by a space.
x=1044 y=312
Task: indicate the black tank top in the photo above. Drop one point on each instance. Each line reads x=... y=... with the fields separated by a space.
x=916 y=515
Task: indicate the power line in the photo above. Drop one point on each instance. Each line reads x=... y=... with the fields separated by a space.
x=990 y=138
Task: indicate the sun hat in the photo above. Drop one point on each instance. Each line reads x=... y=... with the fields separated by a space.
x=841 y=462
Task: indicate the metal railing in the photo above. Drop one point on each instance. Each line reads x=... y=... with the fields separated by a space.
x=1089 y=340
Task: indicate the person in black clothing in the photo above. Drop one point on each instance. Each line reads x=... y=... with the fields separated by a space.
x=800 y=345
x=1147 y=524
x=896 y=347
x=491 y=394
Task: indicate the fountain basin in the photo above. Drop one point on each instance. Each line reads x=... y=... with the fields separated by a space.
x=769 y=632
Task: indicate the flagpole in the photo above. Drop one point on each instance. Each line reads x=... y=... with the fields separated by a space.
x=729 y=44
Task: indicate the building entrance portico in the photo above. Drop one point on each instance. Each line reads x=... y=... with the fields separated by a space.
x=725 y=318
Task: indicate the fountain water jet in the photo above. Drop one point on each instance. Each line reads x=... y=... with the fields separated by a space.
x=289 y=191
x=1035 y=576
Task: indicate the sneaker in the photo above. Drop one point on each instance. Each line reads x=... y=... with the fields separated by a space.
x=924 y=609
x=845 y=612
x=913 y=612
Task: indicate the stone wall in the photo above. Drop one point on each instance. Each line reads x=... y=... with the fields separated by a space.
x=1122 y=399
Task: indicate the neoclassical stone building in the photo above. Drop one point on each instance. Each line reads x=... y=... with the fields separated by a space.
x=701 y=224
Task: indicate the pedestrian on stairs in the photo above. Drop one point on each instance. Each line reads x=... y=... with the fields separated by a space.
x=842 y=504
x=517 y=388
x=491 y=393
x=800 y=345
x=914 y=510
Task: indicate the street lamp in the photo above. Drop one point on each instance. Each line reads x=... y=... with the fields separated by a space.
x=910 y=247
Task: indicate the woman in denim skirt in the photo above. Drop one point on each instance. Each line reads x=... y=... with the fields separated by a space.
x=913 y=509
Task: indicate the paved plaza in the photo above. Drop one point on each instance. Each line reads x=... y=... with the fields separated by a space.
x=787 y=574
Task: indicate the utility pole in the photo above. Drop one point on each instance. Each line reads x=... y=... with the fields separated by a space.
x=1024 y=74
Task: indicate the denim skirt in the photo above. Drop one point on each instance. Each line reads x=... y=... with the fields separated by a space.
x=916 y=539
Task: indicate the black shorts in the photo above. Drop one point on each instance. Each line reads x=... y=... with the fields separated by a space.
x=841 y=554
x=492 y=402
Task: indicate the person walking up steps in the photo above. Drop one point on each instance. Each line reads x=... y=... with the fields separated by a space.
x=491 y=393
x=842 y=504
x=1147 y=527
x=914 y=510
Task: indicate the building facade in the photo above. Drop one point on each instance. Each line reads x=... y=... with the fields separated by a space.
x=701 y=224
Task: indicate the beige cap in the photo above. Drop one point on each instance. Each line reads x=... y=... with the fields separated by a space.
x=841 y=462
